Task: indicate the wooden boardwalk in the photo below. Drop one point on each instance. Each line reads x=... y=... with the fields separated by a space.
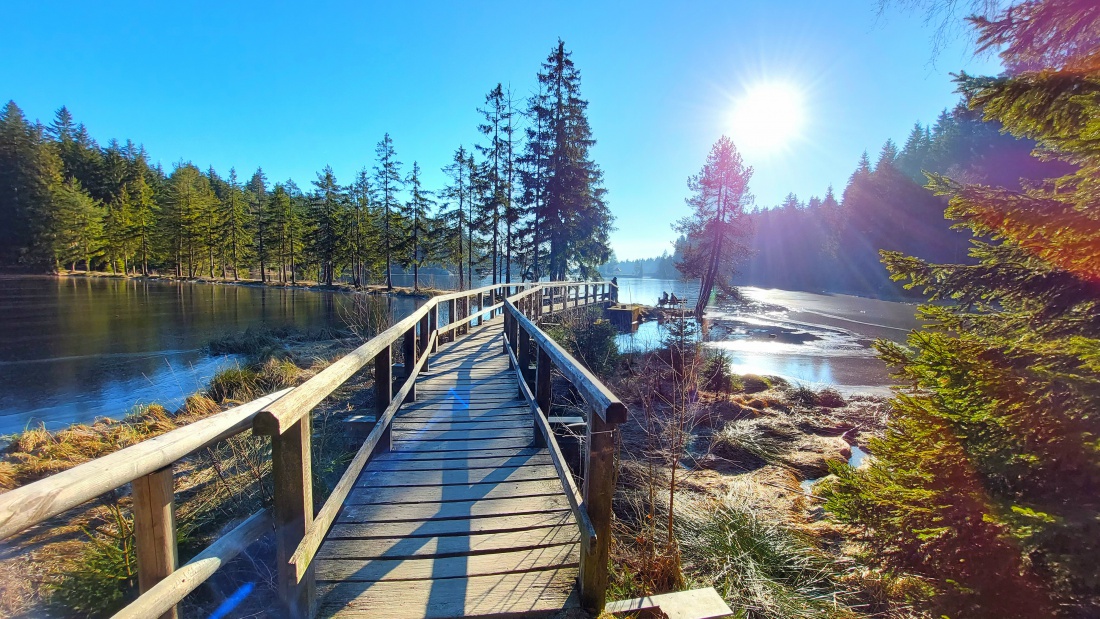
x=464 y=516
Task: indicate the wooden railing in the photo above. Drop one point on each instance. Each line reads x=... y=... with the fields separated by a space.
x=592 y=505
x=285 y=416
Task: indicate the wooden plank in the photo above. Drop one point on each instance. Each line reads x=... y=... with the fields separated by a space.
x=155 y=530
x=451 y=510
x=463 y=454
x=519 y=594
x=448 y=545
x=359 y=570
x=461 y=434
x=434 y=464
x=498 y=423
x=442 y=494
x=462 y=526
x=421 y=446
x=452 y=477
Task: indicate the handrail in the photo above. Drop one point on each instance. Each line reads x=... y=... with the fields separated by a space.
x=164 y=595
x=598 y=396
x=29 y=505
x=572 y=493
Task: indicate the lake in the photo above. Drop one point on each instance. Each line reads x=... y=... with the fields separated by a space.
x=817 y=339
x=75 y=348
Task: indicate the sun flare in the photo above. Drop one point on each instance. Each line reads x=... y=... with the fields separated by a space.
x=768 y=118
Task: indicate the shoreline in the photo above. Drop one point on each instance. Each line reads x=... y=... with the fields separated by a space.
x=424 y=292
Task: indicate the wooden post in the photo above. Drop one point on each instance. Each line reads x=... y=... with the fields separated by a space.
x=538 y=309
x=433 y=324
x=425 y=338
x=508 y=335
x=409 y=352
x=155 y=530
x=523 y=341
x=290 y=464
x=452 y=317
x=542 y=390
x=383 y=392
x=599 y=487
x=464 y=311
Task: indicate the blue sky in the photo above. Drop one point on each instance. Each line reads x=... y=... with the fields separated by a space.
x=294 y=86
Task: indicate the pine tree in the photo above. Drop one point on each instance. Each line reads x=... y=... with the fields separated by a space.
x=417 y=213
x=363 y=235
x=327 y=238
x=234 y=225
x=144 y=212
x=257 y=209
x=189 y=200
x=573 y=217
x=387 y=181
x=717 y=227
x=455 y=221
x=987 y=482
x=29 y=174
x=496 y=127
x=78 y=225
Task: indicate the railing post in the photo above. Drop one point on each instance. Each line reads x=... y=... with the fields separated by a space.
x=408 y=350
x=155 y=529
x=599 y=487
x=383 y=392
x=523 y=355
x=543 y=369
x=539 y=308
x=452 y=317
x=464 y=310
x=425 y=337
x=508 y=335
x=433 y=325
x=291 y=470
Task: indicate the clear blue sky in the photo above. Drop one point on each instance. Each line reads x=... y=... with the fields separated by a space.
x=296 y=86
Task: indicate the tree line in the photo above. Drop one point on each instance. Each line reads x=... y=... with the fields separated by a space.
x=526 y=202
x=833 y=242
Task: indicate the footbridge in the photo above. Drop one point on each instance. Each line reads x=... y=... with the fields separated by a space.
x=458 y=503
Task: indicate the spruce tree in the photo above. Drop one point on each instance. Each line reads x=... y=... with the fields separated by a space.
x=455 y=221
x=572 y=215
x=257 y=208
x=417 y=215
x=387 y=181
x=987 y=482
x=327 y=238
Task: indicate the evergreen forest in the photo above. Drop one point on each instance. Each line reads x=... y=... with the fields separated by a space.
x=523 y=203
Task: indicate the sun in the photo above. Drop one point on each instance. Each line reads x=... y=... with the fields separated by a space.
x=768 y=118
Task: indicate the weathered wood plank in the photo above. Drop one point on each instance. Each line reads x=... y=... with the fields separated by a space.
x=472 y=492
x=461 y=434
x=435 y=464
x=478 y=444
x=520 y=594
x=454 y=509
x=460 y=526
x=447 y=567
x=452 y=477
x=395 y=548
x=471 y=454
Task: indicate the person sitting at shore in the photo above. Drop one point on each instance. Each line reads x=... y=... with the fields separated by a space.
x=673 y=300
x=663 y=301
